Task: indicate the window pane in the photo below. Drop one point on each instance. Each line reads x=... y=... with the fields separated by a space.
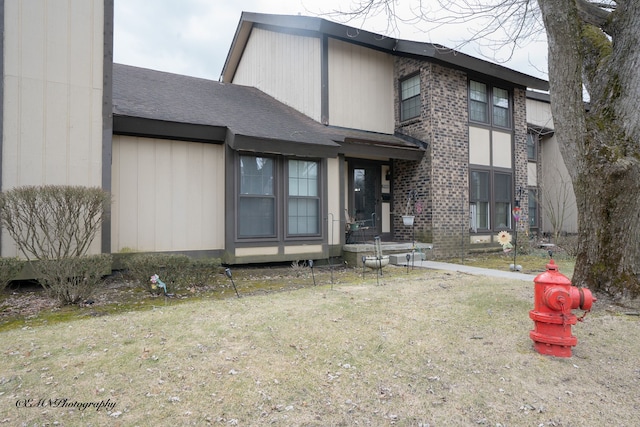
x=500 y=107
x=303 y=178
x=410 y=108
x=502 y=187
x=303 y=216
x=303 y=208
x=533 y=208
x=500 y=98
x=478 y=91
x=256 y=216
x=478 y=102
x=531 y=146
x=410 y=87
x=479 y=186
x=503 y=215
x=479 y=215
x=410 y=98
x=478 y=111
x=256 y=175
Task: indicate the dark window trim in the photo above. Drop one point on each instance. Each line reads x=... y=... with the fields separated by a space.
x=274 y=196
x=288 y=197
x=419 y=96
x=492 y=196
x=281 y=196
x=490 y=105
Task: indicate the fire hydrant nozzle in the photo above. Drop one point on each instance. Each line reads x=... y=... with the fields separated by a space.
x=554 y=298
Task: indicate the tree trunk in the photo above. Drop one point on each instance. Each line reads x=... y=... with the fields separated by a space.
x=601 y=147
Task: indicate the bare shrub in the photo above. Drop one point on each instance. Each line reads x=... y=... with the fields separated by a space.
x=74 y=279
x=55 y=226
x=53 y=222
x=569 y=243
x=9 y=269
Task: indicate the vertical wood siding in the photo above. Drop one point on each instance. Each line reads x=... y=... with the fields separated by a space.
x=360 y=88
x=167 y=195
x=52 y=124
x=53 y=93
x=335 y=220
x=284 y=66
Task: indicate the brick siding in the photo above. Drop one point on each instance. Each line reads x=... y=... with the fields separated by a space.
x=442 y=177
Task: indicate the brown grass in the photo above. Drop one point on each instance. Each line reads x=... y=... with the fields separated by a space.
x=426 y=348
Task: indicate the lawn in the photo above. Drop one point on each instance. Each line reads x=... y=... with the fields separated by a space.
x=417 y=348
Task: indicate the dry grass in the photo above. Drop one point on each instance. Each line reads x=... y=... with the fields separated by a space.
x=422 y=349
x=532 y=263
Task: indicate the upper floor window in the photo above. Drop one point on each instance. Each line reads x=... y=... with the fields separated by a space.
x=410 y=98
x=500 y=107
x=489 y=104
x=478 y=102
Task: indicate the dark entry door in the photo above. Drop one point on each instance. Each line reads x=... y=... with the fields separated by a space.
x=366 y=196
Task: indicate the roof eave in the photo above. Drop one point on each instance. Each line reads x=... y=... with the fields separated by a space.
x=372 y=40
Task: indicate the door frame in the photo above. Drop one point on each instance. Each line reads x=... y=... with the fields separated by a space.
x=380 y=182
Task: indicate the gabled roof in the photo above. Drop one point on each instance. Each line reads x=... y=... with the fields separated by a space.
x=318 y=27
x=164 y=105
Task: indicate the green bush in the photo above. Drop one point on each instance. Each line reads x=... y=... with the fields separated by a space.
x=176 y=271
x=9 y=269
x=74 y=279
x=201 y=272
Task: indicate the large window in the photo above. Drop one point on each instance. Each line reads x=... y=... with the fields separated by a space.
x=263 y=211
x=489 y=104
x=490 y=200
x=410 y=98
x=304 y=200
x=257 y=203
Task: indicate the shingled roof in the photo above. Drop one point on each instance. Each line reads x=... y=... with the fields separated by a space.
x=165 y=105
x=319 y=27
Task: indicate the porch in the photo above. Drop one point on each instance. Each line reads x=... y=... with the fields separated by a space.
x=352 y=253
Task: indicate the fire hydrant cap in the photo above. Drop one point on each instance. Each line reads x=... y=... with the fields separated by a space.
x=552 y=276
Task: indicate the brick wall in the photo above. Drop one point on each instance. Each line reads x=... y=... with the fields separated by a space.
x=442 y=177
x=520 y=154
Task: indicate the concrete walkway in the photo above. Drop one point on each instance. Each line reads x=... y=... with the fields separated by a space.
x=478 y=271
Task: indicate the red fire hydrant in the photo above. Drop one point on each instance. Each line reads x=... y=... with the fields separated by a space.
x=554 y=299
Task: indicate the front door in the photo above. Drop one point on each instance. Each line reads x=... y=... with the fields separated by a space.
x=365 y=204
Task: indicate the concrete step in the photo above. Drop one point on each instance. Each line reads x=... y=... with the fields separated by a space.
x=401 y=259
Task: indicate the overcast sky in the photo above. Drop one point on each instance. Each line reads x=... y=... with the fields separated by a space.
x=192 y=37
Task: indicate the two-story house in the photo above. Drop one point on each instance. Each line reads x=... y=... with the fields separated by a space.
x=467 y=113
x=314 y=125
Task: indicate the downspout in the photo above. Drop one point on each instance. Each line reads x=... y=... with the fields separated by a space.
x=107 y=120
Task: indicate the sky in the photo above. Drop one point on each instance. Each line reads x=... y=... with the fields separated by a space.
x=192 y=37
